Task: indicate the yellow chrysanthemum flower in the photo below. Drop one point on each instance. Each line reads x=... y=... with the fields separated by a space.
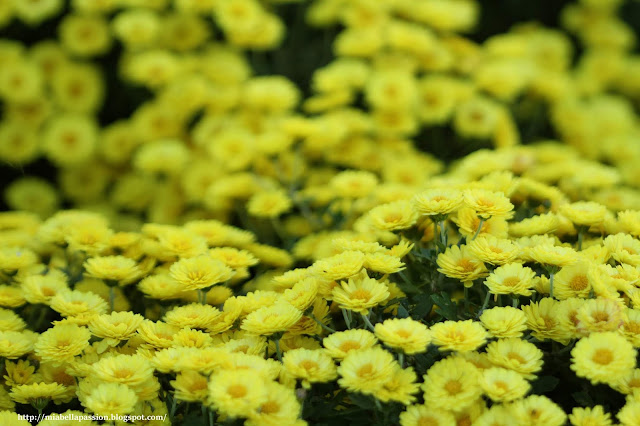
x=62 y=343
x=629 y=414
x=437 y=201
x=237 y=393
x=603 y=357
x=452 y=384
x=195 y=273
x=280 y=407
x=269 y=204
x=39 y=393
x=111 y=398
x=487 y=203
x=392 y=216
x=341 y=266
x=405 y=334
x=517 y=355
x=460 y=336
x=418 y=415
x=113 y=268
x=271 y=319
x=503 y=322
x=537 y=410
x=502 y=385
x=590 y=416
x=311 y=366
x=458 y=262
x=341 y=343
x=584 y=213
x=191 y=386
x=366 y=370
x=490 y=249
x=360 y=294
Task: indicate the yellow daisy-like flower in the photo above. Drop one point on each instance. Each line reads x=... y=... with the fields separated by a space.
x=191 y=386
x=113 y=268
x=341 y=343
x=302 y=294
x=237 y=393
x=115 y=327
x=366 y=370
x=161 y=286
x=603 y=357
x=20 y=372
x=269 y=204
x=233 y=257
x=341 y=266
x=37 y=393
x=131 y=370
x=468 y=223
x=14 y=344
x=353 y=183
x=111 y=398
x=551 y=255
x=487 y=203
x=437 y=201
x=383 y=263
x=360 y=294
x=419 y=415
x=502 y=322
x=495 y=251
x=543 y=320
x=600 y=315
x=41 y=288
x=10 y=321
x=629 y=414
x=502 y=385
x=536 y=225
x=392 y=216
x=271 y=319
x=195 y=273
x=451 y=384
x=458 y=262
x=590 y=416
x=624 y=248
x=460 y=336
x=584 y=213
x=537 y=410
x=62 y=343
x=78 y=304
x=517 y=355
x=311 y=366
x=405 y=334
x=572 y=281
x=194 y=315
x=279 y=408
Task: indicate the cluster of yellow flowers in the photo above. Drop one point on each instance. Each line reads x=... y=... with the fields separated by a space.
x=239 y=253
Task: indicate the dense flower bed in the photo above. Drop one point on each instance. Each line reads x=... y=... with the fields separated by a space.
x=238 y=249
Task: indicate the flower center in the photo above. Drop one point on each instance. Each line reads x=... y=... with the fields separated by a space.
x=602 y=356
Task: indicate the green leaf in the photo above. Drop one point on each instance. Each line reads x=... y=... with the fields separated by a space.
x=445 y=306
x=544 y=384
x=423 y=306
x=402 y=312
x=583 y=399
x=363 y=401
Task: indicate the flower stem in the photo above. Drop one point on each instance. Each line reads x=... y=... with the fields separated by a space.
x=581 y=230
x=551 y=274
x=443 y=233
x=112 y=297
x=346 y=318
x=278 y=351
x=486 y=302
x=515 y=302
x=479 y=229
x=401 y=359
x=321 y=324
x=365 y=318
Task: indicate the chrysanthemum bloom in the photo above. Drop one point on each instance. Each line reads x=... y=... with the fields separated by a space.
x=536 y=225
x=62 y=342
x=392 y=216
x=280 y=407
x=517 y=355
x=572 y=281
x=457 y=262
x=603 y=357
x=437 y=201
x=41 y=288
x=353 y=183
x=586 y=416
x=20 y=372
x=551 y=255
x=584 y=213
x=10 y=321
x=79 y=305
x=15 y=258
x=131 y=370
x=360 y=294
x=383 y=263
x=629 y=414
x=487 y=203
x=341 y=266
x=495 y=251
x=468 y=223
x=160 y=286
x=269 y=204
x=543 y=320
x=400 y=387
x=366 y=370
x=112 y=268
x=461 y=336
x=191 y=386
x=233 y=257
x=629 y=222
x=537 y=410
x=624 y=248
x=405 y=334
x=452 y=384
x=157 y=335
x=111 y=398
x=237 y=393
x=311 y=366
x=302 y=294
x=195 y=273
x=115 y=327
x=39 y=394
x=502 y=322
x=189 y=338
x=631 y=326
x=502 y=385
x=600 y=315
x=418 y=415
x=194 y=315
x=11 y=296
x=341 y=343
x=497 y=415
x=13 y=419
x=271 y=319
x=14 y=344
